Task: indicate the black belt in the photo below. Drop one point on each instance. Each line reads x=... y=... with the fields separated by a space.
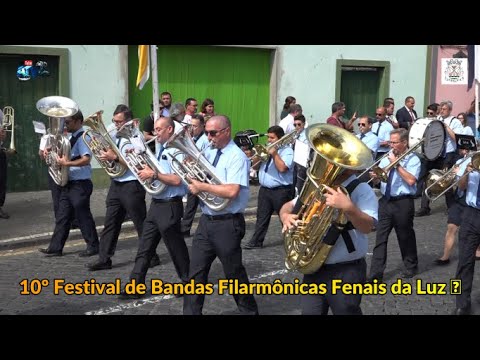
x=78 y=181
x=279 y=187
x=222 y=217
x=162 y=201
x=401 y=197
x=330 y=266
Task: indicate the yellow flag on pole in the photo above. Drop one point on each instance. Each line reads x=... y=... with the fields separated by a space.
x=143 y=65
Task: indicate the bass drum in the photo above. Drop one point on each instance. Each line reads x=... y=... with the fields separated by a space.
x=433 y=133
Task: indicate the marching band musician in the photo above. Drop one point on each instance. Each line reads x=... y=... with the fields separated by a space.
x=276 y=186
x=125 y=196
x=219 y=233
x=197 y=129
x=3 y=169
x=163 y=219
x=361 y=209
x=468 y=239
x=75 y=195
x=396 y=207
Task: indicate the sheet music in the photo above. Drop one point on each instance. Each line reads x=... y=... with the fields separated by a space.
x=39 y=127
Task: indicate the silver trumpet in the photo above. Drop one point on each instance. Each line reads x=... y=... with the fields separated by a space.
x=194 y=166
x=139 y=159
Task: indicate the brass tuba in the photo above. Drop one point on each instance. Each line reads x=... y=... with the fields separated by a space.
x=336 y=150
x=57 y=108
x=9 y=126
x=195 y=166
x=98 y=139
x=138 y=159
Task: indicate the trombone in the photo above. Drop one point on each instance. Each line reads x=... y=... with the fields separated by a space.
x=9 y=122
x=439 y=182
x=375 y=164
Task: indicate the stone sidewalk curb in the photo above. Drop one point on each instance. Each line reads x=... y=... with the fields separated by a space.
x=44 y=238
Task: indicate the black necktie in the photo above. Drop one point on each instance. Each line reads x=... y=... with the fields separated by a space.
x=378 y=129
x=389 y=185
x=268 y=163
x=160 y=152
x=217 y=157
x=118 y=142
x=362 y=136
x=478 y=196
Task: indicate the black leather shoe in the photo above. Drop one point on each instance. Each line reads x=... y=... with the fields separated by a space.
x=155 y=261
x=49 y=253
x=441 y=262
x=187 y=233
x=3 y=214
x=462 y=311
x=124 y=296
x=422 y=212
x=250 y=246
x=87 y=253
x=100 y=265
x=408 y=274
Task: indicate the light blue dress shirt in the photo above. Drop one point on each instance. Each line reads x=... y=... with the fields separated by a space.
x=412 y=164
x=274 y=178
x=80 y=149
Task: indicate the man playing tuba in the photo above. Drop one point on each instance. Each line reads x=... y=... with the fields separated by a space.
x=346 y=260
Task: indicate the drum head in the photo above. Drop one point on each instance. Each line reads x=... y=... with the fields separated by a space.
x=433 y=133
x=434 y=140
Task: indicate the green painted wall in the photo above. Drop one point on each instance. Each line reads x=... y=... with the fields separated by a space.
x=237 y=79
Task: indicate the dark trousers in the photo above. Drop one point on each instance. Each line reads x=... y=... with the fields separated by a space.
x=3 y=177
x=269 y=200
x=299 y=177
x=189 y=213
x=74 y=201
x=353 y=272
x=220 y=238
x=55 y=190
x=396 y=215
x=468 y=242
x=162 y=222
x=123 y=197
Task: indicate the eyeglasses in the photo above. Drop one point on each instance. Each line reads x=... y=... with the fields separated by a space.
x=117 y=121
x=394 y=142
x=460 y=118
x=362 y=124
x=214 y=133
x=157 y=131
x=430 y=113
x=297 y=124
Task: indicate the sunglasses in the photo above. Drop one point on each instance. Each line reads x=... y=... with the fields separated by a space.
x=297 y=124
x=379 y=114
x=362 y=124
x=214 y=133
x=430 y=113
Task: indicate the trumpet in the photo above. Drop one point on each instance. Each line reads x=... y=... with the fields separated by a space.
x=261 y=151
x=9 y=122
x=440 y=181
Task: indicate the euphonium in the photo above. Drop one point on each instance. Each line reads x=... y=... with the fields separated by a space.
x=98 y=139
x=57 y=108
x=195 y=166
x=137 y=159
x=336 y=150
x=261 y=151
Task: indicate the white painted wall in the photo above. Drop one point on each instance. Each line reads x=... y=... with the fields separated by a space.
x=308 y=73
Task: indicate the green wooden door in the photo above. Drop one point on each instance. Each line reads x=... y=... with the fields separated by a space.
x=360 y=91
x=237 y=79
x=26 y=172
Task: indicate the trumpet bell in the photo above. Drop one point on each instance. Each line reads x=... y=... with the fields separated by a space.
x=57 y=106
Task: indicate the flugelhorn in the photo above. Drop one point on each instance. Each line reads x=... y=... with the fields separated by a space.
x=9 y=126
x=261 y=151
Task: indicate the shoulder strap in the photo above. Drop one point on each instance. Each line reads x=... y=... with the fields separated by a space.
x=73 y=141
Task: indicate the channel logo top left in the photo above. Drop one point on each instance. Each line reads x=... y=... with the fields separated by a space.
x=27 y=70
